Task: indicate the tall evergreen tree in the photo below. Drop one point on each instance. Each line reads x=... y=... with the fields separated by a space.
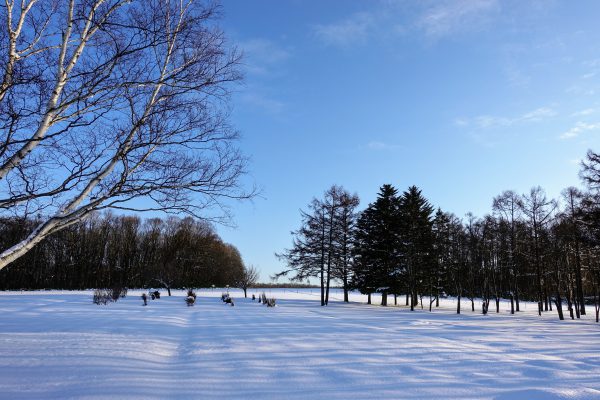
x=416 y=241
x=438 y=280
x=377 y=244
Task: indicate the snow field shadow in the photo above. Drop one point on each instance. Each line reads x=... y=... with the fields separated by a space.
x=59 y=345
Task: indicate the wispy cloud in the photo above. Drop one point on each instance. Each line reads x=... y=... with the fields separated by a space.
x=589 y=75
x=350 y=31
x=449 y=17
x=538 y=114
x=515 y=74
x=585 y=112
x=491 y=121
x=592 y=63
x=580 y=90
x=579 y=128
x=392 y=18
x=265 y=60
x=382 y=146
x=260 y=101
x=262 y=54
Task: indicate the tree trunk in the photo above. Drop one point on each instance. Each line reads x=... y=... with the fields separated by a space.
x=578 y=280
x=245 y=294
x=597 y=306
x=322 y=286
x=369 y=298
x=512 y=304
x=407 y=298
x=570 y=306
x=327 y=289
x=345 y=287
x=458 y=305
x=384 y=298
x=559 y=306
x=323 y=261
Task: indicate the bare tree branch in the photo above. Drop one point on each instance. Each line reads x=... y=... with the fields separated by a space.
x=121 y=100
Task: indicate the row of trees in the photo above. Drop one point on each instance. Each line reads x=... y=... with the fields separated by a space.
x=529 y=247
x=124 y=251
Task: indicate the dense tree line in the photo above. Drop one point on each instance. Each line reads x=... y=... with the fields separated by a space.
x=107 y=250
x=529 y=248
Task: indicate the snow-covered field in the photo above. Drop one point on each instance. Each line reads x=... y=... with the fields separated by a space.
x=58 y=345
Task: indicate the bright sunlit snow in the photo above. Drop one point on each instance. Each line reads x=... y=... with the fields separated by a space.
x=57 y=345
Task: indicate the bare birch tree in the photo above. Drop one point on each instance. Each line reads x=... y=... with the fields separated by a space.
x=107 y=101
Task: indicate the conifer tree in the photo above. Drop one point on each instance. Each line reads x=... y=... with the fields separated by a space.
x=438 y=281
x=416 y=240
x=377 y=246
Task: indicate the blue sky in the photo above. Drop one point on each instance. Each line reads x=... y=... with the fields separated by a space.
x=462 y=98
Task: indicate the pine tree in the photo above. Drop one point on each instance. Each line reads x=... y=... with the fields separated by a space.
x=439 y=279
x=416 y=241
x=376 y=253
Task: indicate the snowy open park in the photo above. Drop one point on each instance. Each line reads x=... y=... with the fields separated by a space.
x=58 y=345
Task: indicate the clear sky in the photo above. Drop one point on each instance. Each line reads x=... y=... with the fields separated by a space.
x=462 y=98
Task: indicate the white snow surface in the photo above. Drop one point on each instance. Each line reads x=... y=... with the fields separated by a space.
x=59 y=345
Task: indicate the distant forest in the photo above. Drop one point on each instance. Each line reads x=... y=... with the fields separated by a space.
x=107 y=250
x=530 y=247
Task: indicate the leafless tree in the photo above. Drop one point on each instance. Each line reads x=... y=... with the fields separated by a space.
x=103 y=102
x=538 y=210
x=590 y=170
x=506 y=205
x=248 y=278
x=572 y=213
x=345 y=222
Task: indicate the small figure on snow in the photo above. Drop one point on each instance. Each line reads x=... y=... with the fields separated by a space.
x=145 y=298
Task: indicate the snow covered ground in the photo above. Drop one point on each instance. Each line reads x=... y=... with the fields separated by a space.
x=57 y=345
